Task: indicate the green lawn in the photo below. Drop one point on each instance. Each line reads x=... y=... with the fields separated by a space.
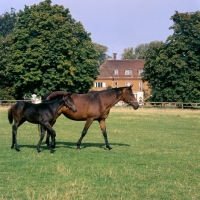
x=156 y=155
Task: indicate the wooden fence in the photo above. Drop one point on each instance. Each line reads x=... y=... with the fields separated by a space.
x=121 y=103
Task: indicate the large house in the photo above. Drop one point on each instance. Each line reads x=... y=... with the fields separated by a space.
x=119 y=73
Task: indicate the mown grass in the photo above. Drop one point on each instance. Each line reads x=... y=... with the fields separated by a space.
x=156 y=155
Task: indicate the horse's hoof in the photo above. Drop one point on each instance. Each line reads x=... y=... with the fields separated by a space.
x=38 y=151
x=109 y=148
x=12 y=147
x=17 y=150
x=78 y=148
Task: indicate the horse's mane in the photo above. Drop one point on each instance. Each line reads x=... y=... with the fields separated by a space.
x=54 y=95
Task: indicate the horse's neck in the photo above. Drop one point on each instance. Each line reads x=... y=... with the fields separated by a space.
x=113 y=99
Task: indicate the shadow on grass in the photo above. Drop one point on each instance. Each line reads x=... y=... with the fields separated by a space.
x=72 y=145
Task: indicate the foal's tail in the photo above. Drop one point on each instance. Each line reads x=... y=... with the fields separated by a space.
x=10 y=116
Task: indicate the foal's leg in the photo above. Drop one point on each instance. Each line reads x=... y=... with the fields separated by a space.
x=53 y=135
x=85 y=129
x=14 y=140
x=48 y=134
x=14 y=134
x=41 y=138
x=103 y=128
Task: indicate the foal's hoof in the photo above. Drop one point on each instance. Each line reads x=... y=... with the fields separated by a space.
x=78 y=148
x=51 y=151
x=17 y=150
x=109 y=148
x=38 y=150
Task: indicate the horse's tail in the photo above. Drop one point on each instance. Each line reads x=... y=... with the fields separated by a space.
x=10 y=115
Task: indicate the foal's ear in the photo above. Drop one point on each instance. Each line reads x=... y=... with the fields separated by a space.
x=67 y=95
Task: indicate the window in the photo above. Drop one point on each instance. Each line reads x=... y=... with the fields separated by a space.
x=128 y=72
x=127 y=84
x=140 y=71
x=100 y=84
x=116 y=72
x=140 y=86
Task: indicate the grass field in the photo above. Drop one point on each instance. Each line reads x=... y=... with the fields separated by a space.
x=156 y=155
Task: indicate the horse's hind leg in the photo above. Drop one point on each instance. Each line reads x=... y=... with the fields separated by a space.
x=103 y=128
x=14 y=139
x=14 y=134
x=85 y=129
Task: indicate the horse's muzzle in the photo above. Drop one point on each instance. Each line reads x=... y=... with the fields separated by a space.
x=135 y=105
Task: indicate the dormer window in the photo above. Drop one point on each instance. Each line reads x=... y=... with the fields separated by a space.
x=128 y=72
x=116 y=72
x=140 y=71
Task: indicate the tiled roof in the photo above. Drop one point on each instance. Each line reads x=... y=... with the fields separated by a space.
x=107 y=69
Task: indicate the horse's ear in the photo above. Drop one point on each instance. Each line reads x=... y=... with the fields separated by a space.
x=131 y=86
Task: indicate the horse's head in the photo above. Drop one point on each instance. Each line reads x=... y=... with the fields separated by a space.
x=129 y=97
x=69 y=102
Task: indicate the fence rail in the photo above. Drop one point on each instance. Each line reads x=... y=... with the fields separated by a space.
x=165 y=105
x=121 y=103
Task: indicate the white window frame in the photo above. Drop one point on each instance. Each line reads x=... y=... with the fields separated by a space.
x=116 y=72
x=128 y=72
x=100 y=84
x=140 y=71
x=127 y=83
x=140 y=86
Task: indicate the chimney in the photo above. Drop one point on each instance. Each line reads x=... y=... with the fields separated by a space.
x=114 y=56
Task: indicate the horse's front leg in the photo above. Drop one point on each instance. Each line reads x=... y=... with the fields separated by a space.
x=103 y=129
x=85 y=129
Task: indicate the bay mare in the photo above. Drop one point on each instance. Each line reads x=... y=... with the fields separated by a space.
x=92 y=106
x=42 y=113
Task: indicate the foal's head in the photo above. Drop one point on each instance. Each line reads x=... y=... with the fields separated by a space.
x=69 y=102
x=129 y=97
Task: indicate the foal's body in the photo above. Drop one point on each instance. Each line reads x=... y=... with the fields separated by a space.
x=95 y=106
x=42 y=114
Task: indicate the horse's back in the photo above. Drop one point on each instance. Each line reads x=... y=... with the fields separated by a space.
x=88 y=106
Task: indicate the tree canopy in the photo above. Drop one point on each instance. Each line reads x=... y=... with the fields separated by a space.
x=7 y=22
x=135 y=53
x=128 y=53
x=172 y=69
x=49 y=51
x=102 y=56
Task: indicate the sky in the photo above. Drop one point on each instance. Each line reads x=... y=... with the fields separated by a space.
x=119 y=24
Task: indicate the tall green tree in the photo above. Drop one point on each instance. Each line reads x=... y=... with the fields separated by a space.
x=7 y=22
x=173 y=69
x=140 y=51
x=50 y=51
x=102 y=56
x=128 y=53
